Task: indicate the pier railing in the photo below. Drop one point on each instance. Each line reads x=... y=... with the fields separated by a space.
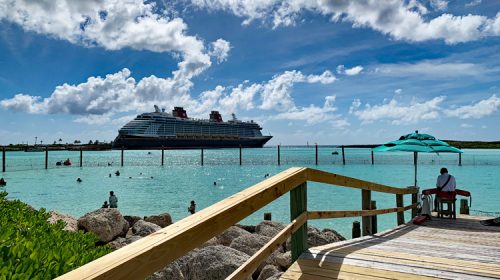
x=153 y=252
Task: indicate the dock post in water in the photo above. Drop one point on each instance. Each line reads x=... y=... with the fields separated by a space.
x=356 y=229
x=459 y=158
x=162 y=155
x=279 y=156
x=267 y=216
x=374 y=217
x=400 y=215
x=298 y=205
x=121 y=158
x=366 y=222
x=3 y=159
x=240 y=155
x=81 y=157
x=343 y=155
x=316 y=154
x=201 y=157
x=46 y=157
x=373 y=159
x=464 y=207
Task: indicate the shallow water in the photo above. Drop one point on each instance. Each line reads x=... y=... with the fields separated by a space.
x=145 y=187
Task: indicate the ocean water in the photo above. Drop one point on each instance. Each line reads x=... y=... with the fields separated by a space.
x=146 y=188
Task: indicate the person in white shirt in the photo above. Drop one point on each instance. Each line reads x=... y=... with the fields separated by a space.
x=446 y=182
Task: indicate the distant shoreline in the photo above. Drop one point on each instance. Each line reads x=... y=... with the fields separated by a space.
x=107 y=146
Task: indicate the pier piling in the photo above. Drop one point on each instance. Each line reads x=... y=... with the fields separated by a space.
x=374 y=217
x=121 y=158
x=162 y=155
x=46 y=157
x=373 y=160
x=316 y=154
x=201 y=159
x=401 y=215
x=3 y=159
x=459 y=158
x=356 y=229
x=366 y=198
x=279 y=156
x=267 y=216
x=343 y=155
x=81 y=157
x=464 y=207
x=240 y=155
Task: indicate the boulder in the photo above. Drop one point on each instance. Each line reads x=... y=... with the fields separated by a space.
x=122 y=242
x=269 y=228
x=284 y=260
x=143 y=228
x=268 y=271
x=131 y=220
x=212 y=262
x=162 y=220
x=315 y=237
x=71 y=223
x=230 y=234
x=250 y=229
x=249 y=244
x=106 y=223
x=211 y=242
x=275 y=276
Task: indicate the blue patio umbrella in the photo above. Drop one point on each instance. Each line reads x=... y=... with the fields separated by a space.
x=417 y=143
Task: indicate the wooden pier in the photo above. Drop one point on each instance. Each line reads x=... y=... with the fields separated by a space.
x=440 y=249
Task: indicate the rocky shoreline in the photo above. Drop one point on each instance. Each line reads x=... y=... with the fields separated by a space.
x=215 y=259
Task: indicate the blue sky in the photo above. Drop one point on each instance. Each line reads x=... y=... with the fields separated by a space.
x=330 y=72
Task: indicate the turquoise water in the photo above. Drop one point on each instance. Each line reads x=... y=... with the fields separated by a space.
x=154 y=189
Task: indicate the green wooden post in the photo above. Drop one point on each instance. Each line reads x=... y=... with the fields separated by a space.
x=414 y=199
x=46 y=157
x=298 y=205
x=162 y=155
x=401 y=215
x=366 y=221
x=3 y=159
x=374 y=217
x=121 y=158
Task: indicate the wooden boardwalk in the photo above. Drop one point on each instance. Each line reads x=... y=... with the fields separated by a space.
x=441 y=249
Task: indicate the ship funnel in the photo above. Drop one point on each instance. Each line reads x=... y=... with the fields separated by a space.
x=215 y=116
x=157 y=110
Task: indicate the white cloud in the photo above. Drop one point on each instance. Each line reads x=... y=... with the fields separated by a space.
x=398 y=91
x=350 y=71
x=430 y=69
x=401 y=114
x=240 y=97
x=355 y=105
x=220 y=50
x=466 y=125
x=473 y=3
x=402 y=20
x=478 y=110
x=276 y=93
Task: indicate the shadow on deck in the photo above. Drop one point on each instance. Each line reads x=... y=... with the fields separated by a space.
x=440 y=249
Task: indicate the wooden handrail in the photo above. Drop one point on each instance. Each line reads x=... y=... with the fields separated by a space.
x=315 y=215
x=153 y=252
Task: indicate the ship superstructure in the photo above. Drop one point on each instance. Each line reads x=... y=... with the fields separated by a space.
x=176 y=130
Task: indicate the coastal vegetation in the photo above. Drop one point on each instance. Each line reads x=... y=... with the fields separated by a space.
x=31 y=248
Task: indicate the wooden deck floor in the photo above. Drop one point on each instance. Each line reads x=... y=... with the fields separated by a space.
x=441 y=249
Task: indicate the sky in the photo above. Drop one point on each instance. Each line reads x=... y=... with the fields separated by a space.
x=326 y=72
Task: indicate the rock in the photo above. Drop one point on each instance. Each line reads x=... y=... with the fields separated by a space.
x=250 y=229
x=315 y=237
x=249 y=244
x=284 y=260
x=269 y=228
x=212 y=262
x=275 y=276
x=122 y=242
x=143 y=228
x=106 y=223
x=211 y=242
x=333 y=234
x=71 y=223
x=268 y=271
x=230 y=234
x=132 y=220
x=162 y=220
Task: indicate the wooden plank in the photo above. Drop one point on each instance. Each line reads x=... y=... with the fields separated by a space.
x=246 y=269
x=400 y=215
x=298 y=206
x=340 y=180
x=153 y=252
x=366 y=222
x=314 y=215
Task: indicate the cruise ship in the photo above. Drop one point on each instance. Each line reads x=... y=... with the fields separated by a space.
x=160 y=129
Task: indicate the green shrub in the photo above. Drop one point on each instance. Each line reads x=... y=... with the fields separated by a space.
x=31 y=248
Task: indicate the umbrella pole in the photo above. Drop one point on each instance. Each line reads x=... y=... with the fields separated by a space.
x=415 y=159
